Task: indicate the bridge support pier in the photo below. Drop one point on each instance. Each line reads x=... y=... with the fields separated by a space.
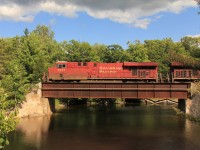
x=182 y=105
x=52 y=104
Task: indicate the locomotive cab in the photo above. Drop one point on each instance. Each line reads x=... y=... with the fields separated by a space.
x=57 y=72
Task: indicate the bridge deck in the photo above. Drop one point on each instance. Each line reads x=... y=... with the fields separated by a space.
x=115 y=90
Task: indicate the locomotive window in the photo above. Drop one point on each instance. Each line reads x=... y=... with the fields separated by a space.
x=177 y=73
x=79 y=63
x=60 y=65
x=95 y=64
x=134 y=72
x=185 y=74
x=190 y=74
x=142 y=73
x=84 y=64
x=182 y=74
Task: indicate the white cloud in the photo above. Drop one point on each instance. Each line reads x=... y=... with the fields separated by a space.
x=15 y=12
x=137 y=13
x=194 y=36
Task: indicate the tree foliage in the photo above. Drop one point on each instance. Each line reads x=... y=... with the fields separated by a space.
x=7 y=118
x=198 y=3
x=137 y=52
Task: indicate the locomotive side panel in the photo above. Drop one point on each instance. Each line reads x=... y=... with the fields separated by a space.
x=146 y=71
x=110 y=70
x=77 y=70
x=103 y=71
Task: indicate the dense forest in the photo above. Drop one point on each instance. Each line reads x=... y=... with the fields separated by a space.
x=24 y=59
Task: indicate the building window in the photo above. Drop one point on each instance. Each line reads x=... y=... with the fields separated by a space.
x=95 y=64
x=84 y=64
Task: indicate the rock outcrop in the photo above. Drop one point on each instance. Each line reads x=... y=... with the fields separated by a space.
x=35 y=105
x=195 y=106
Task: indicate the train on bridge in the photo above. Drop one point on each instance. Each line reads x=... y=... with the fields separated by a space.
x=120 y=71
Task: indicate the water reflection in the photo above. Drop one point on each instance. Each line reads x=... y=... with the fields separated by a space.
x=33 y=130
x=107 y=128
x=192 y=135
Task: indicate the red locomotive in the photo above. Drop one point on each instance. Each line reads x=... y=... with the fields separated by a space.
x=126 y=71
x=182 y=73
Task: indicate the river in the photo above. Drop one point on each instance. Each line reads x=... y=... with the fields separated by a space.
x=132 y=127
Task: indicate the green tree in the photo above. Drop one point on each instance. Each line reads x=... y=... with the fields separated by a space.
x=192 y=46
x=7 y=118
x=40 y=47
x=112 y=53
x=99 y=50
x=198 y=3
x=138 y=52
x=79 y=51
x=191 y=52
x=161 y=51
x=6 y=54
x=15 y=82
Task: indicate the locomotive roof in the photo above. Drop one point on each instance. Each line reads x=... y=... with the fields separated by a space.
x=176 y=64
x=58 y=62
x=126 y=63
x=141 y=64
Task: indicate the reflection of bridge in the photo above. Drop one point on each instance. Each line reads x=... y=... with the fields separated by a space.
x=115 y=90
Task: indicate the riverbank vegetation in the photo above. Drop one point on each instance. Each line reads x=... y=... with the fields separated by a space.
x=191 y=117
x=24 y=59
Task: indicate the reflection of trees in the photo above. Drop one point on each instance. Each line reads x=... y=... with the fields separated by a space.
x=34 y=129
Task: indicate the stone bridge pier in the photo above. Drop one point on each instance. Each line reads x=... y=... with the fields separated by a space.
x=193 y=106
x=35 y=105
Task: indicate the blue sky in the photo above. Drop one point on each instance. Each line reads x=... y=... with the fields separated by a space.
x=106 y=21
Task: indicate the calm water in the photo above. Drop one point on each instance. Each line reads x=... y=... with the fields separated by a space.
x=107 y=128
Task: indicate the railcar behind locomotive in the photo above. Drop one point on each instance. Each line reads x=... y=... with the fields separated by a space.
x=126 y=71
x=182 y=73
